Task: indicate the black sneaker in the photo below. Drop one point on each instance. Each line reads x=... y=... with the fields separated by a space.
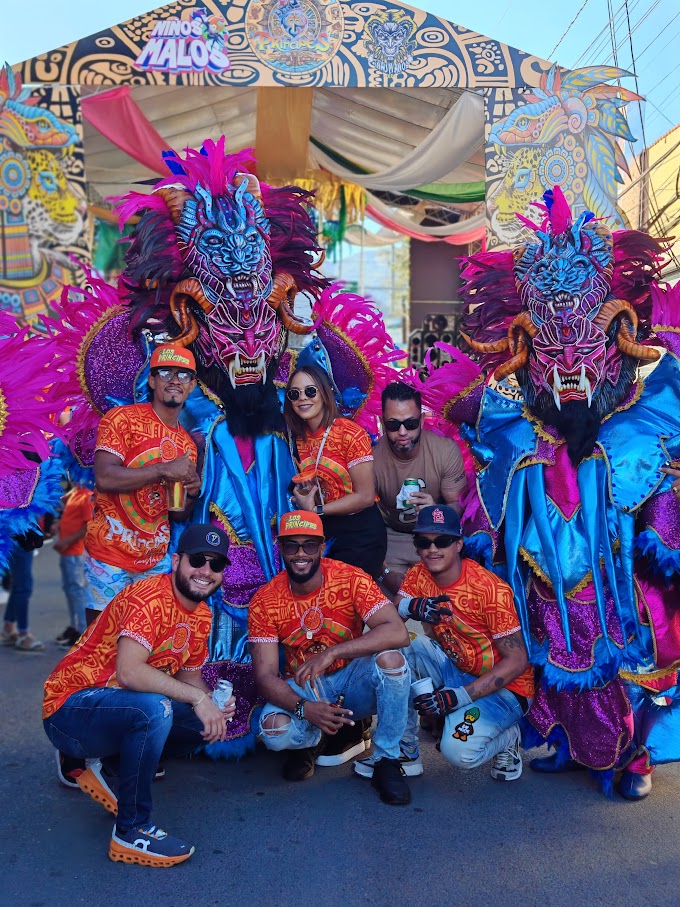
x=148 y=846
x=350 y=741
x=388 y=779
x=69 y=638
x=66 y=635
x=299 y=765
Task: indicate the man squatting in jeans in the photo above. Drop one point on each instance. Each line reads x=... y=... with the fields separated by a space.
x=131 y=688
x=477 y=658
x=317 y=608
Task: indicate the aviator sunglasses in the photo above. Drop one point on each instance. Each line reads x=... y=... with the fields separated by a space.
x=409 y=424
x=442 y=541
x=294 y=394
x=288 y=546
x=166 y=374
x=217 y=564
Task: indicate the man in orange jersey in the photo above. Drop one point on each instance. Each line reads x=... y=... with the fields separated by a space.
x=141 y=450
x=477 y=659
x=316 y=608
x=131 y=688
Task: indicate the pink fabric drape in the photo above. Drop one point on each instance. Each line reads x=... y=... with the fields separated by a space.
x=119 y=119
x=460 y=239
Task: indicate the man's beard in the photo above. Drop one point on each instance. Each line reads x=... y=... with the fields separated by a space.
x=402 y=450
x=302 y=578
x=183 y=585
x=173 y=403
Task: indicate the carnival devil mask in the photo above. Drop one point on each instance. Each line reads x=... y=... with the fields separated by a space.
x=567 y=341
x=219 y=279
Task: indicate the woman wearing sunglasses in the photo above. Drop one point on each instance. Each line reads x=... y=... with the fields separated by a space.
x=335 y=471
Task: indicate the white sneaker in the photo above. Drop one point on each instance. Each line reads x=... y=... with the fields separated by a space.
x=412 y=766
x=507 y=765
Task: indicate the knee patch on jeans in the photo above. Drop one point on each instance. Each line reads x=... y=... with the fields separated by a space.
x=167 y=708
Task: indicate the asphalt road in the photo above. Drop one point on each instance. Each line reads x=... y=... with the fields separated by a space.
x=464 y=839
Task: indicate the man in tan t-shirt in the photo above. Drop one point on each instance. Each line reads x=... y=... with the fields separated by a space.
x=407 y=451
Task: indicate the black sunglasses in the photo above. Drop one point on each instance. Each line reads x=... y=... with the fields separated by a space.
x=409 y=424
x=442 y=541
x=294 y=394
x=166 y=374
x=311 y=546
x=217 y=564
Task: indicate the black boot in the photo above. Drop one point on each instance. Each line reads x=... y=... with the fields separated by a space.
x=389 y=780
x=299 y=765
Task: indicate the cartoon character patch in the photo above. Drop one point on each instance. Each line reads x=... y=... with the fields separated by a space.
x=465 y=729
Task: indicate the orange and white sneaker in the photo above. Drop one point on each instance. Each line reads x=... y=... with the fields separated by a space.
x=148 y=846
x=92 y=781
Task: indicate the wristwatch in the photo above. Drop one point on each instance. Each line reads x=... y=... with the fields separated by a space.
x=299 y=710
x=319 y=509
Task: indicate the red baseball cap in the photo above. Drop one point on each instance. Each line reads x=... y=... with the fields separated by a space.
x=301 y=522
x=174 y=356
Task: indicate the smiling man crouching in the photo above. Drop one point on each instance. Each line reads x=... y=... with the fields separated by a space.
x=316 y=608
x=131 y=689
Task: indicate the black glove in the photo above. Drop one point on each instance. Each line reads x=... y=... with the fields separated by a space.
x=440 y=702
x=427 y=610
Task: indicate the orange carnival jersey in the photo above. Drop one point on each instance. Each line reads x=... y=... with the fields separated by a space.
x=149 y=613
x=483 y=611
x=131 y=529
x=76 y=514
x=348 y=597
x=346 y=445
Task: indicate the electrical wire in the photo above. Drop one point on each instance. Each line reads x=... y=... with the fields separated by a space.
x=569 y=27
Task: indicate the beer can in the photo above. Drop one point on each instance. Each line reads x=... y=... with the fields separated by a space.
x=411 y=486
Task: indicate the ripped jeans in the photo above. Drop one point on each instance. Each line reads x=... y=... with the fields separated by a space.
x=368 y=690
x=133 y=728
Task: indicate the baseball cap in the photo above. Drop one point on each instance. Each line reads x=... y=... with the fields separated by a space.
x=440 y=519
x=173 y=356
x=301 y=522
x=204 y=538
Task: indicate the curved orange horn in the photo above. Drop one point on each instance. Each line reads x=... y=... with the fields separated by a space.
x=523 y=320
x=626 y=342
x=498 y=346
x=185 y=292
x=175 y=197
x=512 y=365
x=281 y=300
x=611 y=309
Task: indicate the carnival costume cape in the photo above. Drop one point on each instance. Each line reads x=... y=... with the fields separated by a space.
x=215 y=262
x=570 y=408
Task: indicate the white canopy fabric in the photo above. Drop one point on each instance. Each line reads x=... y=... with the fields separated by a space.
x=457 y=136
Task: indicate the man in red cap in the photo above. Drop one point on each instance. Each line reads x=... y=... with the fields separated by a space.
x=334 y=672
x=142 y=452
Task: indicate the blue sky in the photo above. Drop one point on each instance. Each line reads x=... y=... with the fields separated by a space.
x=533 y=25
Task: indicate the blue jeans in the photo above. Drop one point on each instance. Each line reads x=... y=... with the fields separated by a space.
x=134 y=729
x=73 y=584
x=368 y=690
x=21 y=571
x=473 y=734
x=104 y=581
